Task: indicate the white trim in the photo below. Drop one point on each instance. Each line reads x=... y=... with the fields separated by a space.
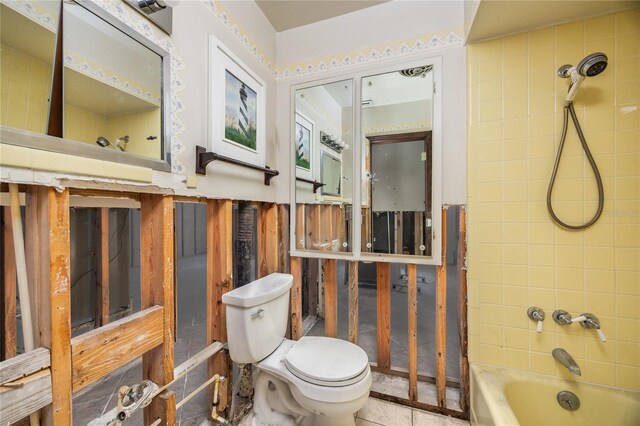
x=300 y=171
x=437 y=167
x=222 y=59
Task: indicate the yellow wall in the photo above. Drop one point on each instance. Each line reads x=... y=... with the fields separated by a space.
x=138 y=126
x=24 y=90
x=517 y=256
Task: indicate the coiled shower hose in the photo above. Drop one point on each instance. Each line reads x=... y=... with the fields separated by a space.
x=568 y=109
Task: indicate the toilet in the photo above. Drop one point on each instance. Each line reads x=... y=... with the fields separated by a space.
x=312 y=381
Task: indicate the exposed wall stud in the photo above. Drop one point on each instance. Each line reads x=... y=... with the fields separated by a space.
x=441 y=318
x=384 y=314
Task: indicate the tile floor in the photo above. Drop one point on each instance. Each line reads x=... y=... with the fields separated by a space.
x=383 y=413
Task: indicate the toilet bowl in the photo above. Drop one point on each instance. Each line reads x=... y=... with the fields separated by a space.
x=312 y=381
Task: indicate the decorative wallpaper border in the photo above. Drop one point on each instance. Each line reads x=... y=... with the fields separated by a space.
x=109 y=77
x=426 y=42
x=36 y=14
x=217 y=10
x=137 y=22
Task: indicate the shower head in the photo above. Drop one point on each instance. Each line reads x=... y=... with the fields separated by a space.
x=103 y=142
x=590 y=66
x=593 y=64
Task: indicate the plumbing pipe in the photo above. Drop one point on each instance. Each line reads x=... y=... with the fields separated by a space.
x=23 y=284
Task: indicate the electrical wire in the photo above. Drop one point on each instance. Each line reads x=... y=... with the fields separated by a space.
x=569 y=109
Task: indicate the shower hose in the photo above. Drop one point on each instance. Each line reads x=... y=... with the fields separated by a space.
x=568 y=109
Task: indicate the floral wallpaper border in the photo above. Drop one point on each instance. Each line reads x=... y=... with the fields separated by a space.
x=36 y=14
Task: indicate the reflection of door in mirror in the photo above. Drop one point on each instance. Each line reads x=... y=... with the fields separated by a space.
x=323 y=155
x=112 y=86
x=397 y=162
x=28 y=42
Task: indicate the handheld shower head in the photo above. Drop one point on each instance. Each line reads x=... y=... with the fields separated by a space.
x=593 y=64
x=103 y=142
x=590 y=66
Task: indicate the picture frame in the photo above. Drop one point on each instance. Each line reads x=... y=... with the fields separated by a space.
x=237 y=107
x=304 y=142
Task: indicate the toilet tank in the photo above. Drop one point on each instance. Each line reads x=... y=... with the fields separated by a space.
x=257 y=316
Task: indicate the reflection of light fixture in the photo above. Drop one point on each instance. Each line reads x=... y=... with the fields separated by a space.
x=151 y=6
x=416 y=71
x=333 y=142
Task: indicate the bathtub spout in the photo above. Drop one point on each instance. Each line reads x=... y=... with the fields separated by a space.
x=566 y=360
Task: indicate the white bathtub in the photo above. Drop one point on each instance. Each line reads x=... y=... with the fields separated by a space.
x=501 y=396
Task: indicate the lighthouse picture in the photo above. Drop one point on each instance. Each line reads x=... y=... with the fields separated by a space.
x=240 y=112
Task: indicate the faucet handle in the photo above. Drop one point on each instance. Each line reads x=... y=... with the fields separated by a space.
x=591 y=321
x=536 y=314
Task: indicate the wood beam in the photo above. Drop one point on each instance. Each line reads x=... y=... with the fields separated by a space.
x=55 y=231
x=103 y=350
x=267 y=239
x=296 y=298
x=330 y=298
x=157 y=288
x=25 y=396
x=384 y=314
x=353 y=302
x=219 y=281
x=283 y=239
x=441 y=319
x=102 y=262
x=300 y=226
x=24 y=364
x=8 y=293
x=462 y=312
x=412 y=295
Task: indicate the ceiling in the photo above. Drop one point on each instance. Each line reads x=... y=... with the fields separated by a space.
x=287 y=14
x=501 y=17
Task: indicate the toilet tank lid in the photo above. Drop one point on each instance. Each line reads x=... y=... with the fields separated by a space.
x=259 y=291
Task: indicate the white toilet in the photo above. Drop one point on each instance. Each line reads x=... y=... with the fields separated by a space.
x=312 y=381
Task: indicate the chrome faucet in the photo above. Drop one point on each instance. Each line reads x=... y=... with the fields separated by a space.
x=566 y=360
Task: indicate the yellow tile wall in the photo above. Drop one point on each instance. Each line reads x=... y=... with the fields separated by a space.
x=517 y=256
x=24 y=90
x=138 y=126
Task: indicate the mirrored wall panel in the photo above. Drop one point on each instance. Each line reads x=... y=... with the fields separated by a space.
x=323 y=155
x=397 y=114
x=112 y=86
x=27 y=47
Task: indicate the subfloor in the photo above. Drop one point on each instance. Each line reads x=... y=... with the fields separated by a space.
x=378 y=412
x=191 y=338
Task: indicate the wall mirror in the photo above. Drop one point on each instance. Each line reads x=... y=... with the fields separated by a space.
x=28 y=42
x=112 y=86
x=323 y=156
x=397 y=162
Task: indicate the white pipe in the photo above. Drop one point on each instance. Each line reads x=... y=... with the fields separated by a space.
x=23 y=283
x=215 y=378
x=21 y=268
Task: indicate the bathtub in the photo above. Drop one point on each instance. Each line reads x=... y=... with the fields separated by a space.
x=510 y=397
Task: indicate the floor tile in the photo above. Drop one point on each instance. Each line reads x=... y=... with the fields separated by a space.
x=385 y=413
x=421 y=418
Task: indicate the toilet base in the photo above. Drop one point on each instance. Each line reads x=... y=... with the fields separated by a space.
x=274 y=405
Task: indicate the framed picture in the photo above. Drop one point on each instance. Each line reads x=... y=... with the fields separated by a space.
x=237 y=104
x=303 y=142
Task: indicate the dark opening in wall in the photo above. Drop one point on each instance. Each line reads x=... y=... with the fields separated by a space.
x=245 y=243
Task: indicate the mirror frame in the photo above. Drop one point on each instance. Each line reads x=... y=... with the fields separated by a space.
x=437 y=170
x=44 y=142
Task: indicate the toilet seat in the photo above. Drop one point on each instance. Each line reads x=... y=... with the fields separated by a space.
x=326 y=361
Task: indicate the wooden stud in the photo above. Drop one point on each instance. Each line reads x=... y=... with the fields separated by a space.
x=412 y=295
x=35 y=246
x=399 y=247
x=25 y=396
x=353 y=302
x=219 y=281
x=326 y=230
x=24 y=364
x=300 y=235
x=157 y=288
x=8 y=289
x=103 y=350
x=102 y=261
x=56 y=232
x=312 y=227
x=330 y=298
x=462 y=312
x=441 y=318
x=296 y=298
x=267 y=239
x=384 y=314
x=283 y=239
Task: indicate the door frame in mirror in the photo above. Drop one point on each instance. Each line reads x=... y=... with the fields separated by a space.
x=437 y=167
